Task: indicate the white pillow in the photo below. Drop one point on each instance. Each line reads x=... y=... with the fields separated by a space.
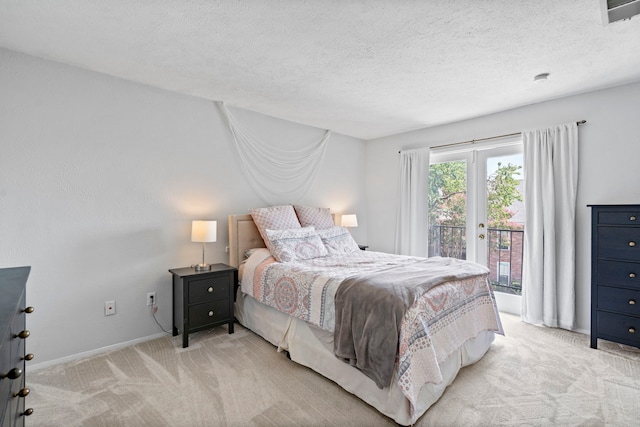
x=274 y=218
x=295 y=244
x=338 y=240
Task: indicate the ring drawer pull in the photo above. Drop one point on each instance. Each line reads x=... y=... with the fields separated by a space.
x=632 y=275
x=632 y=302
x=632 y=330
x=210 y=289
x=632 y=218
x=211 y=313
x=632 y=243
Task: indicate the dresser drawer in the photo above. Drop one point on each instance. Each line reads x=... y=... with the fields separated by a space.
x=208 y=289
x=627 y=217
x=619 y=243
x=620 y=273
x=623 y=301
x=208 y=313
x=623 y=328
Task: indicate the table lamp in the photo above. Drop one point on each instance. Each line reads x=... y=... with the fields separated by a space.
x=349 y=220
x=204 y=232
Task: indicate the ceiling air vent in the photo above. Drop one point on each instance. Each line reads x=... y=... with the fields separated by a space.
x=616 y=10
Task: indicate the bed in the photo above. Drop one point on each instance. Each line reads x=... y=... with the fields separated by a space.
x=308 y=337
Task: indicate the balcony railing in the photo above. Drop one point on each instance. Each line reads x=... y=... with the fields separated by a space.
x=504 y=255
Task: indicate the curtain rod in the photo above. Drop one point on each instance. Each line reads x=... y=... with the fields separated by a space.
x=473 y=141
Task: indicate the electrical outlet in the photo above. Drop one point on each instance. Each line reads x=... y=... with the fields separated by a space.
x=109 y=308
x=151 y=298
x=226 y=249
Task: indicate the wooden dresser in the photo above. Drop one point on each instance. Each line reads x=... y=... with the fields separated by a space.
x=615 y=274
x=12 y=346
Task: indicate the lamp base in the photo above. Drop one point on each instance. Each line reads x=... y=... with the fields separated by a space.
x=202 y=267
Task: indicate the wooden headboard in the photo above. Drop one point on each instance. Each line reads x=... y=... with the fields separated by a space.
x=243 y=235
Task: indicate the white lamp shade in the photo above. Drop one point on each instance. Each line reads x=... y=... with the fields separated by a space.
x=204 y=231
x=350 y=220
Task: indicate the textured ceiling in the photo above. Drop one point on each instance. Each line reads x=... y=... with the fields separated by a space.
x=361 y=68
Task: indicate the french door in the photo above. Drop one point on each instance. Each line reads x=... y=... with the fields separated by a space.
x=477 y=212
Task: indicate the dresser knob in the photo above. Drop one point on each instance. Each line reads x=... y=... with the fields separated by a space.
x=22 y=393
x=632 y=275
x=632 y=330
x=28 y=310
x=632 y=302
x=27 y=412
x=28 y=356
x=12 y=374
x=24 y=334
x=632 y=244
x=632 y=218
x=211 y=313
x=210 y=289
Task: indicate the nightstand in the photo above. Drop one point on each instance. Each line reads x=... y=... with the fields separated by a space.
x=202 y=299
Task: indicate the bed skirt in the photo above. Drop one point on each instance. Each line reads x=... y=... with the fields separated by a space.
x=313 y=347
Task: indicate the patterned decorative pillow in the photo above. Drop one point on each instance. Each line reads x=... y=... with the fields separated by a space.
x=274 y=218
x=338 y=240
x=295 y=244
x=314 y=217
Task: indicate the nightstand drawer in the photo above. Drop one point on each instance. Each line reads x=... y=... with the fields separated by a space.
x=624 y=328
x=630 y=217
x=623 y=301
x=209 y=288
x=209 y=312
x=619 y=273
x=619 y=243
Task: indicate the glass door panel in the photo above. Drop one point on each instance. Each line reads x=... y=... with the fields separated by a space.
x=448 y=207
x=502 y=216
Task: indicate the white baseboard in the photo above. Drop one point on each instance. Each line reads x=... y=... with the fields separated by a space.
x=85 y=354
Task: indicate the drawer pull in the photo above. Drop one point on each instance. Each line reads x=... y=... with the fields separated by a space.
x=632 y=218
x=28 y=310
x=210 y=289
x=632 y=302
x=632 y=275
x=632 y=244
x=211 y=313
x=12 y=374
x=27 y=412
x=28 y=356
x=24 y=334
x=22 y=393
x=632 y=330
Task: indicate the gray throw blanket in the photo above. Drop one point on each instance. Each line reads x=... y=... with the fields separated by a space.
x=370 y=309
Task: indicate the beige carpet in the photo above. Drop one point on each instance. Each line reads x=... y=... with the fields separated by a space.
x=533 y=376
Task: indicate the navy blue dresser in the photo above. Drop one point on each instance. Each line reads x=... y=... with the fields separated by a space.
x=12 y=346
x=615 y=274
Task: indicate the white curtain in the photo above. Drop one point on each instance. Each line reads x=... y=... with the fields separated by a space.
x=278 y=176
x=551 y=180
x=412 y=219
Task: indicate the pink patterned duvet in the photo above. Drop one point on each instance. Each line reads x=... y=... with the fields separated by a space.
x=440 y=321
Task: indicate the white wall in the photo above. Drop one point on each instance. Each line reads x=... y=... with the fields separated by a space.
x=608 y=164
x=99 y=181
